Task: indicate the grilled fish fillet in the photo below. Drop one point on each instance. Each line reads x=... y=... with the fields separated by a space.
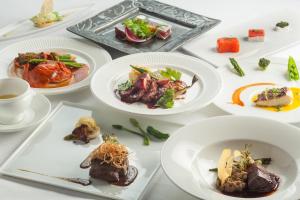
x=274 y=97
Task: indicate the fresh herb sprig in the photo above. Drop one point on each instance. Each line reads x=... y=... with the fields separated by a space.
x=293 y=73
x=263 y=161
x=237 y=67
x=150 y=131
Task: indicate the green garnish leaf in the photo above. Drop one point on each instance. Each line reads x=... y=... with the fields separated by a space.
x=171 y=74
x=125 y=86
x=237 y=67
x=167 y=100
x=263 y=63
x=282 y=24
x=139 y=27
x=293 y=73
x=140 y=69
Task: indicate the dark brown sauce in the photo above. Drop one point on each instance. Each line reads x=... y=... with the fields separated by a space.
x=129 y=178
x=83 y=182
x=247 y=194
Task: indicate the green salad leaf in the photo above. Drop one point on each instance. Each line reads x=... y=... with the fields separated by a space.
x=171 y=74
x=292 y=69
x=125 y=86
x=139 y=27
x=167 y=100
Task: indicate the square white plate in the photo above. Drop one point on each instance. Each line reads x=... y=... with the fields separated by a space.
x=45 y=151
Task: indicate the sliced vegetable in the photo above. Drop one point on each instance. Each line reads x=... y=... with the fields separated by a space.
x=292 y=69
x=263 y=63
x=171 y=74
x=37 y=61
x=73 y=64
x=156 y=133
x=136 y=124
x=167 y=100
x=237 y=67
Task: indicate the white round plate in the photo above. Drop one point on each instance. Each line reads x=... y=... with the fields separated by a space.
x=106 y=79
x=26 y=27
x=188 y=154
x=275 y=73
x=85 y=51
x=38 y=111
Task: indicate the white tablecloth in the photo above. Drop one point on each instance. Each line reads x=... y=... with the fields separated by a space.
x=231 y=12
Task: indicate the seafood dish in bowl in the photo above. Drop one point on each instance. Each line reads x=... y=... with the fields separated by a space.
x=49 y=69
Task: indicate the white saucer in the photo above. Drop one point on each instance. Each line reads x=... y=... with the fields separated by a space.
x=38 y=111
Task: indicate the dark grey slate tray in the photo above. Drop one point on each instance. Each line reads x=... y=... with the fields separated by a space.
x=185 y=25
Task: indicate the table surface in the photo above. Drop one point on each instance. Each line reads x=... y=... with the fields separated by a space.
x=231 y=12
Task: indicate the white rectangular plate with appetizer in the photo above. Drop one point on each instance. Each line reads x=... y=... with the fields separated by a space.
x=47 y=156
x=46 y=19
x=255 y=38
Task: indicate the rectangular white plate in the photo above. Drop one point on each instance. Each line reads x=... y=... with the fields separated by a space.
x=45 y=151
x=275 y=41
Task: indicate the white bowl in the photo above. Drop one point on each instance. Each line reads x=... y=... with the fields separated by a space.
x=188 y=155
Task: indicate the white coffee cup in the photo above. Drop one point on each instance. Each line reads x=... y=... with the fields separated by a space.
x=12 y=110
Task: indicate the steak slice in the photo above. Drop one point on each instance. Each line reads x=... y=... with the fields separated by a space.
x=107 y=172
x=260 y=180
x=151 y=93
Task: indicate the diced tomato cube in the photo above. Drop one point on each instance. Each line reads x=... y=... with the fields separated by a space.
x=225 y=45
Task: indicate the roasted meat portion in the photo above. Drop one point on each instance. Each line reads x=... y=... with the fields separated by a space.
x=260 y=180
x=149 y=90
x=110 y=162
